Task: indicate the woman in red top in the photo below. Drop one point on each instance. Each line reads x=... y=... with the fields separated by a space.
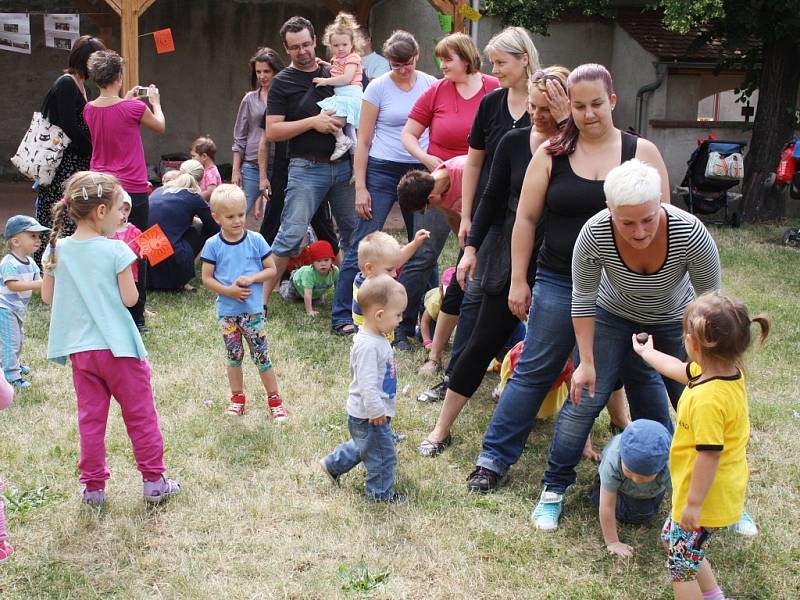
x=448 y=107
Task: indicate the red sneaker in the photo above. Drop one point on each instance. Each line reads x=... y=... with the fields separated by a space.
x=276 y=408
x=236 y=406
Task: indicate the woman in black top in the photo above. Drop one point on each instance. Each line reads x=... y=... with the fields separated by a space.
x=564 y=182
x=63 y=106
x=514 y=59
x=496 y=211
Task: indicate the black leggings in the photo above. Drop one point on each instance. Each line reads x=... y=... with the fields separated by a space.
x=494 y=326
x=140 y=214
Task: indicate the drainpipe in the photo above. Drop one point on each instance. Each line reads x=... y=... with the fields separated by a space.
x=473 y=28
x=661 y=74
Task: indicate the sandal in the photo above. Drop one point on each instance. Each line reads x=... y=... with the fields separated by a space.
x=430 y=367
x=431 y=449
x=343 y=329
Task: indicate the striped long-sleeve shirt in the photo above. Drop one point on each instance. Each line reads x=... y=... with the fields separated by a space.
x=601 y=278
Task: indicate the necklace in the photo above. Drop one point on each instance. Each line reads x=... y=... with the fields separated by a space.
x=108 y=97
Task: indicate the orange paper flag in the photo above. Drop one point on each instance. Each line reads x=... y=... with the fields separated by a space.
x=163 y=38
x=154 y=245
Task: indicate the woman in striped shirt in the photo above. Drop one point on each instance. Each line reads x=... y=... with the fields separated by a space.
x=635 y=268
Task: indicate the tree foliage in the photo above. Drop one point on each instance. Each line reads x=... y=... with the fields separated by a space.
x=759 y=37
x=537 y=15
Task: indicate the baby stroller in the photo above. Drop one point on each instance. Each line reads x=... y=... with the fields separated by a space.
x=714 y=168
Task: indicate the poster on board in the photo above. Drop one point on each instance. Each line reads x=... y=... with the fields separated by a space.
x=15 y=32
x=61 y=31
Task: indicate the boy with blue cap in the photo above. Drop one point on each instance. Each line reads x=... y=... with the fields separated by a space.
x=19 y=276
x=633 y=478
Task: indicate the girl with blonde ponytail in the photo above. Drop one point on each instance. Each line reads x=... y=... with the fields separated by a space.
x=89 y=283
x=174 y=208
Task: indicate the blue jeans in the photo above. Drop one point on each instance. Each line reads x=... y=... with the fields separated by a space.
x=374 y=446
x=416 y=275
x=382 y=179
x=250 y=183
x=309 y=184
x=548 y=344
x=614 y=358
x=631 y=510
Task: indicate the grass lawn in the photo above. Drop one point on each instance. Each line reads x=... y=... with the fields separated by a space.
x=257 y=519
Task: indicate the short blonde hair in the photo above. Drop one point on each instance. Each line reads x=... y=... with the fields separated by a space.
x=538 y=80
x=376 y=292
x=517 y=42
x=632 y=183
x=377 y=247
x=227 y=195
x=462 y=46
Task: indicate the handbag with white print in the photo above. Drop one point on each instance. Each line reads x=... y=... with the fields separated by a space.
x=41 y=150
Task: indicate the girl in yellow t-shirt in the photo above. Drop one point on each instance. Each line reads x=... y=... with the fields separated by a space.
x=708 y=460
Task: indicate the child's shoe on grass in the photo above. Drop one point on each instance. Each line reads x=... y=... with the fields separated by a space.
x=24 y=370
x=276 y=408
x=94 y=498
x=20 y=384
x=155 y=492
x=236 y=405
x=5 y=551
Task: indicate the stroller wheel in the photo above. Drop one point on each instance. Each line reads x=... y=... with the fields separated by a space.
x=736 y=220
x=791 y=237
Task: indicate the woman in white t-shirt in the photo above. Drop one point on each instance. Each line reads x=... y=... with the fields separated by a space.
x=380 y=158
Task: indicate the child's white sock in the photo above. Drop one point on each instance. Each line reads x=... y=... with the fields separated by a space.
x=715 y=594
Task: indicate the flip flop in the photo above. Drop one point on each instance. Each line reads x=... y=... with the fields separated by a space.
x=343 y=329
x=431 y=449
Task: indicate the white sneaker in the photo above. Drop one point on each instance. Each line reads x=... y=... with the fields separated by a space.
x=745 y=526
x=548 y=510
x=341 y=148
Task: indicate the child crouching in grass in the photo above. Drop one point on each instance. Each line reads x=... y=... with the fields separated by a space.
x=708 y=458
x=372 y=395
x=312 y=282
x=236 y=262
x=632 y=479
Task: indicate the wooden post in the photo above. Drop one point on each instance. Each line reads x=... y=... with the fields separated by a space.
x=450 y=7
x=129 y=12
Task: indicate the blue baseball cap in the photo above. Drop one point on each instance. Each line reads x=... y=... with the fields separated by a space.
x=644 y=447
x=19 y=223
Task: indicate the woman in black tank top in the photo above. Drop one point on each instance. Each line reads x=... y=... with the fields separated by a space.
x=564 y=184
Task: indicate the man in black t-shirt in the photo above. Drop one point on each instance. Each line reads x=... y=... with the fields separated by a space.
x=294 y=116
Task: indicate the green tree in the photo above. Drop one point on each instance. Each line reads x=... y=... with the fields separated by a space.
x=760 y=36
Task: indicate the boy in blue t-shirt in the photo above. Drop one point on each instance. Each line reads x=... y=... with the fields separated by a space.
x=236 y=262
x=633 y=478
x=20 y=276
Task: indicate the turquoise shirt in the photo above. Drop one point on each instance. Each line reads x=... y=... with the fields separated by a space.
x=87 y=311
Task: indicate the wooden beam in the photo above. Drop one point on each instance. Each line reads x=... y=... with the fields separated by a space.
x=115 y=5
x=362 y=10
x=130 y=43
x=443 y=6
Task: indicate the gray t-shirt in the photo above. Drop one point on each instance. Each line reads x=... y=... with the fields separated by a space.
x=613 y=480
x=373 y=390
x=393 y=106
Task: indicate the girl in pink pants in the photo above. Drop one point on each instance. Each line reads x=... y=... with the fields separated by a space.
x=88 y=281
x=6 y=397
